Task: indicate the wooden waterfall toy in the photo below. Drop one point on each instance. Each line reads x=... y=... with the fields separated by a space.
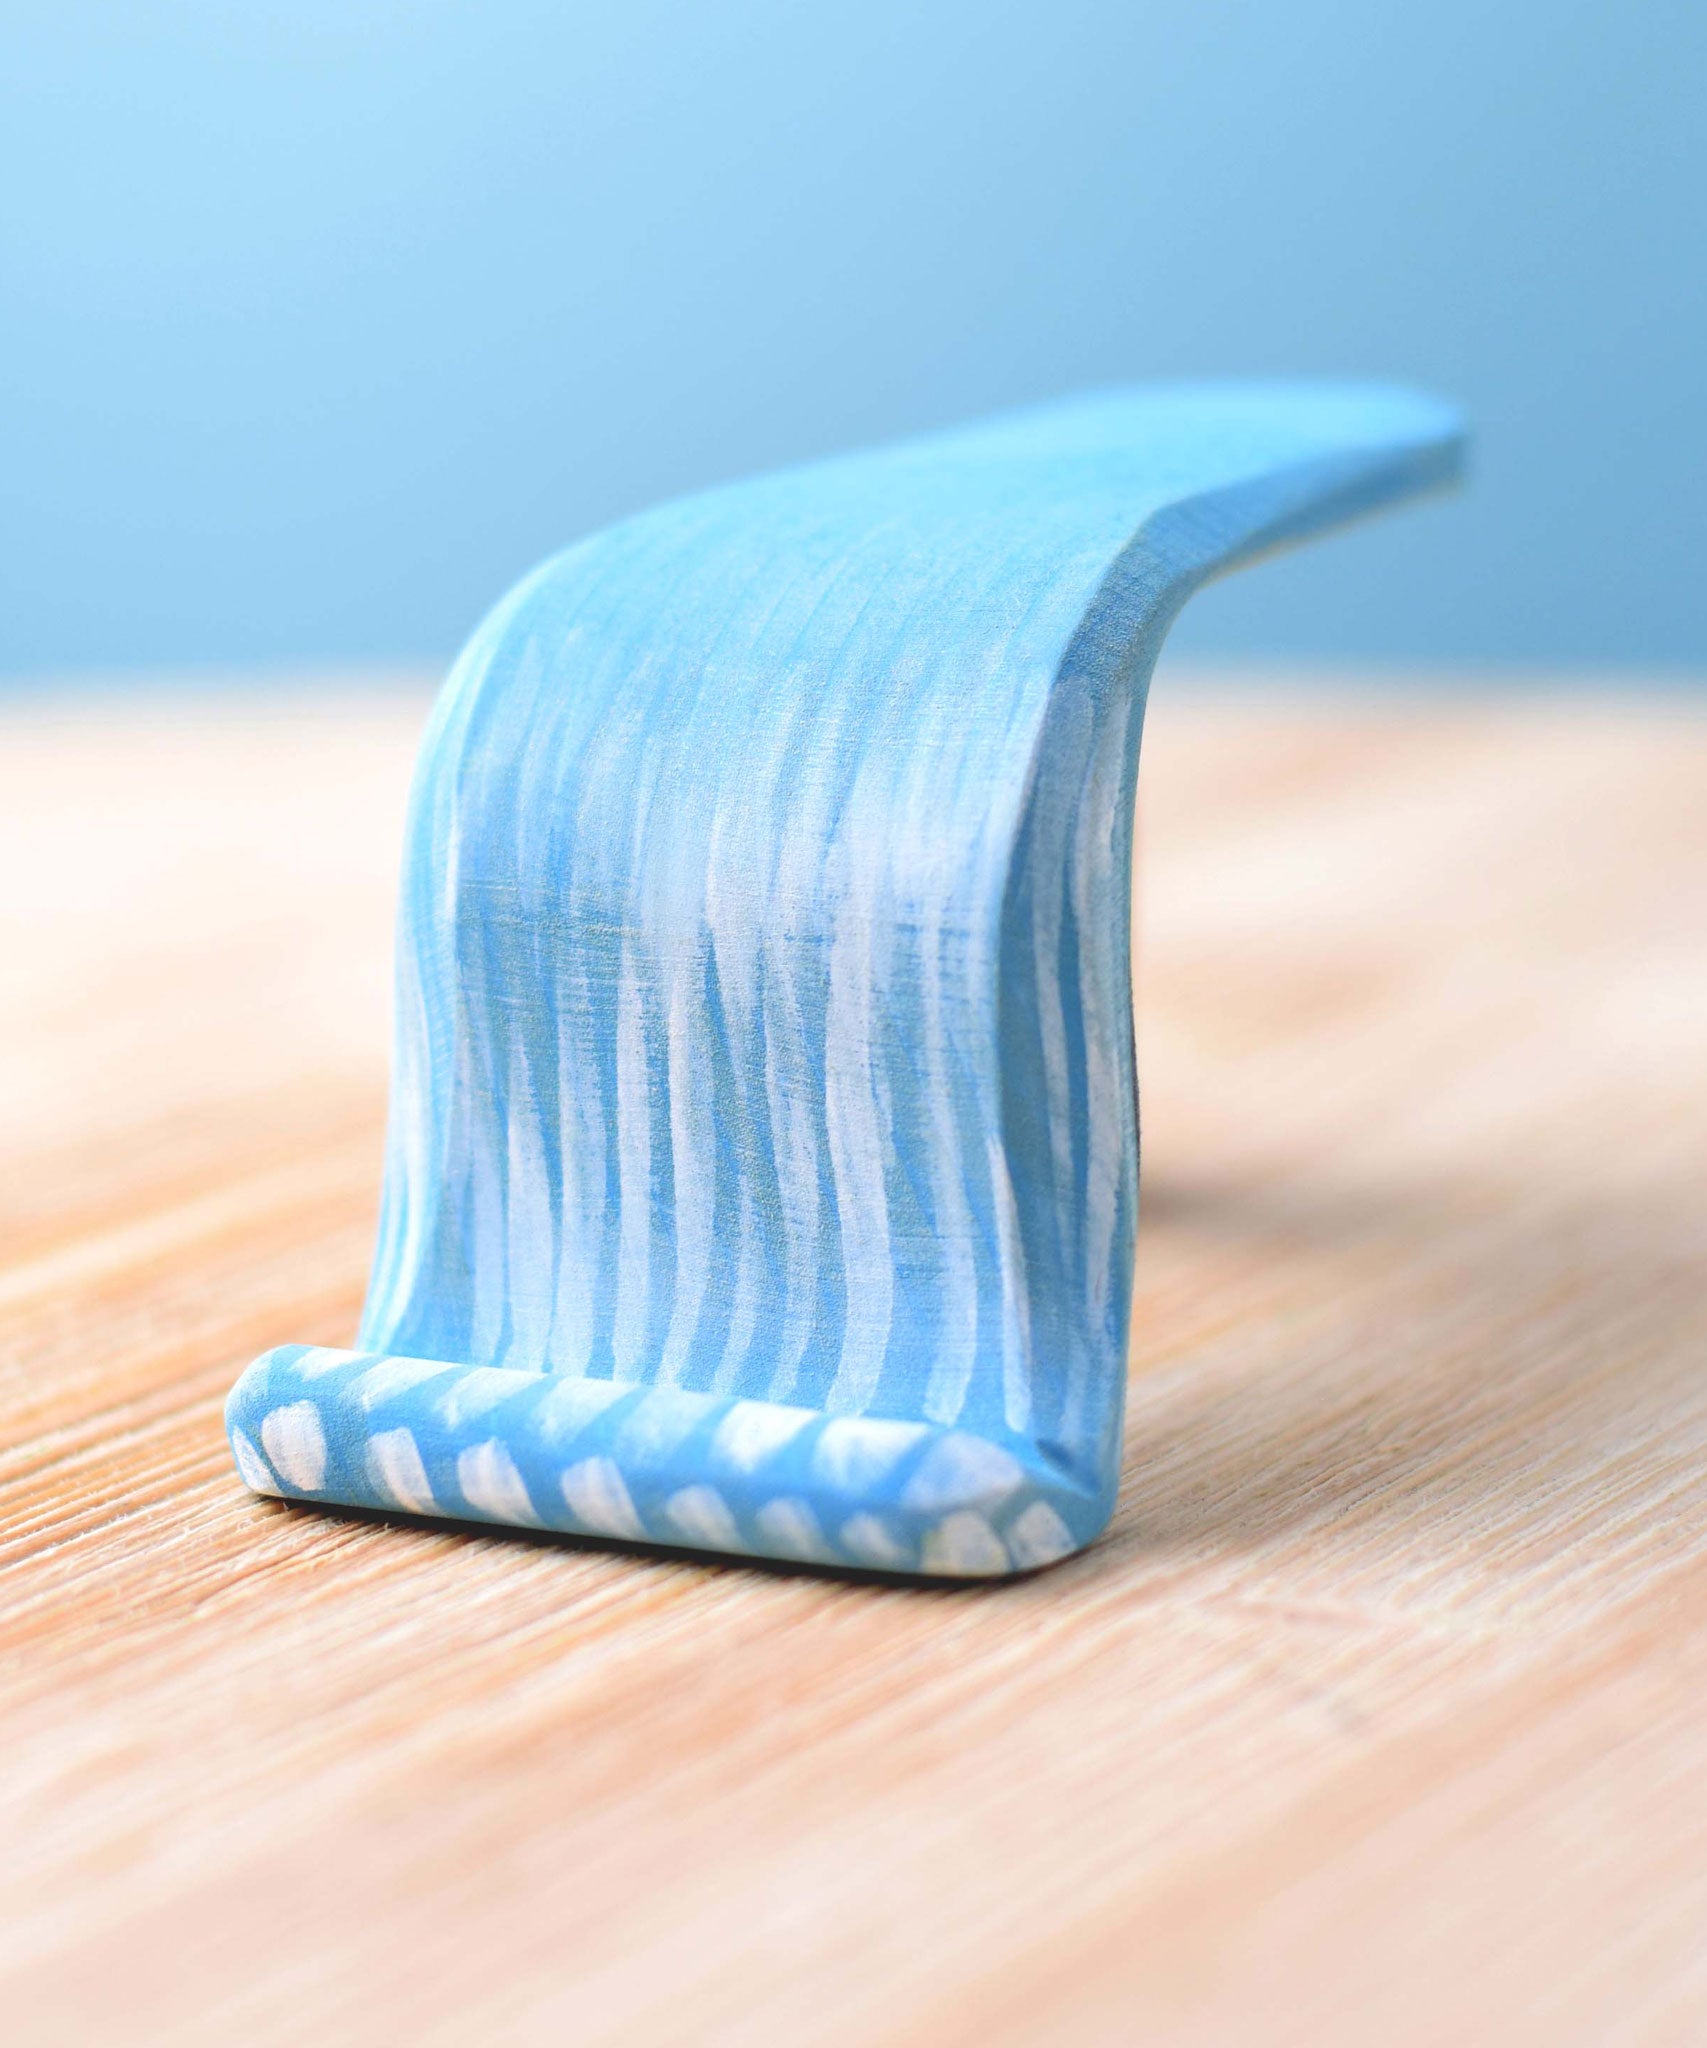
x=762 y=1171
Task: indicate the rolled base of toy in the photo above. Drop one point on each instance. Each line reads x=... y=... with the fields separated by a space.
x=655 y=1465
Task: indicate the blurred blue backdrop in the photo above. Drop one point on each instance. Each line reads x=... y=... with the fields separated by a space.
x=320 y=322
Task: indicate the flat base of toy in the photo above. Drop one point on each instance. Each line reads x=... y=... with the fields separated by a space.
x=658 y=1465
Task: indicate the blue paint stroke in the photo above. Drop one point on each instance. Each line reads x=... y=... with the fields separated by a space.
x=762 y=1171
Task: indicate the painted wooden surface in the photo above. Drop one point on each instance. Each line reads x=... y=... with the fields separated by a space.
x=762 y=1165
x=1376 y=1715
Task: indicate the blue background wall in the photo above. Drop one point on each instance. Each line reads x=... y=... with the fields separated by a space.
x=319 y=322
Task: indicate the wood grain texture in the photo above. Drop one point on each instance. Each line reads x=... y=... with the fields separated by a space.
x=1377 y=1714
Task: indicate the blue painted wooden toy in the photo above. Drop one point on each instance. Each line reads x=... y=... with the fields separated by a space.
x=762 y=1172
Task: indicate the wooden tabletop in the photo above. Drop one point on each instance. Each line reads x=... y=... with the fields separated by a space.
x=1377 y=1716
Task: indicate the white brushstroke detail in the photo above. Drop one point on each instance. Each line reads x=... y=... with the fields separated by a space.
x=875 y=1544
x=981 y=973
x=816 y=739
x=964 y=1546
x=732 y=936
x=572 y=1404
x=755 y=1430
x=693 y=1158
x=595 y=1495
x=531 y=1248
x=794 y=1149
x=296 y=1444
x=854 y=1454
x=411 y=1193
x=733 y=931
x=251 y=1465
x=394 y=1376
x=478 y=1391
x=1039 y=1537
x=928 y=872
x=584 y=1147
x=394 y=1465
x=791 y=1529
x=960 y=1471
x=487 y=1477
x=313 y=1364
x=854 y=1122
x=700 y=1515
x=1016 y=1304
x=489 y=1275
x=957 y=1253
x=659 y=1425
x=634 y=1169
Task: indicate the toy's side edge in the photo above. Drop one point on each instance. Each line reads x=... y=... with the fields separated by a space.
x=1073 y=853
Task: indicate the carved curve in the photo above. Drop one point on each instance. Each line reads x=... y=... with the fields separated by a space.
x=762 y=1168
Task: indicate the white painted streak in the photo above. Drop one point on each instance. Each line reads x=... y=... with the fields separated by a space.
x=1016 y=1305
x=794 y=1148
x=872 y=1542
x=583 y=1146
x=251 y=1465
x=1038 y=1537
x=634 y=1169
x=693 y=1156
x=962 y=1471
x=491 y=1484
x=293 y=1439
x=410 y=1129
x=700 y=1516
x=531 y=1249
x=791 y=1529
x=956 y=1243
x=753 y=1431
x=854 y=1122
x=594 y=1493
x=393 y=1376
x=398 y=1475
x=488 y=1149
x=574 y=1403
x=477 y=1392
x=964 y=1546
x=732 y=924
x=854 y=1453
x=659 y=1424
x=323 y=1359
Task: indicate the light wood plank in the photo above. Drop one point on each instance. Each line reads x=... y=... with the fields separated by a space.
x=1375 y=1716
